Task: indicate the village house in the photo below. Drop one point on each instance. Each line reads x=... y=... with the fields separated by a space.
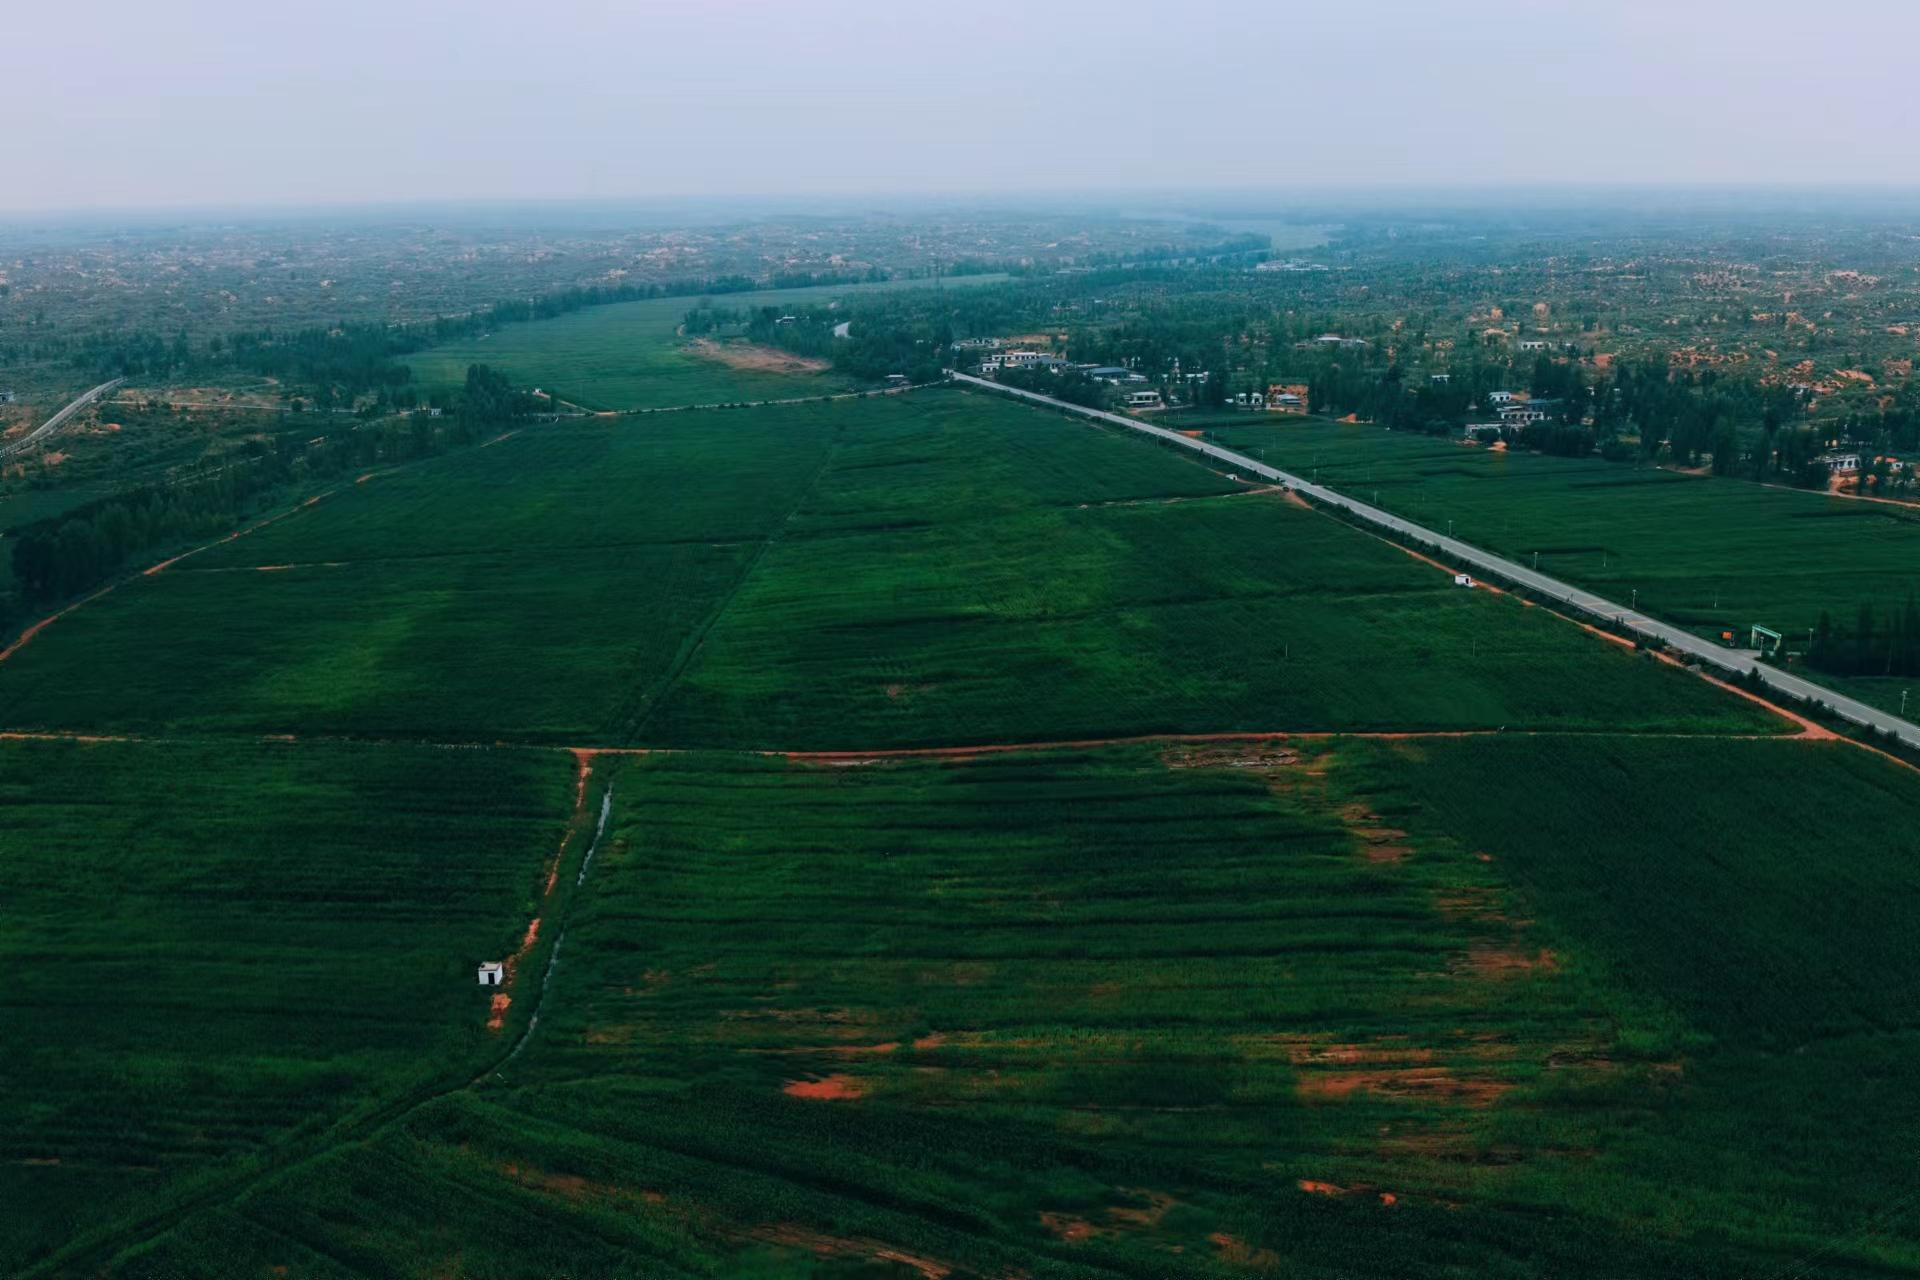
x=1144 y=400
x=493 y=973
x=1287 y=397
x=1519 y=412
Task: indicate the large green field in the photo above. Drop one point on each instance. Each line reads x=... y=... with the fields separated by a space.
x=1293 y=1009
x=1524 y=955
x=941 y=568
x=630 y=355
x=1710 y=554
x=213 y=951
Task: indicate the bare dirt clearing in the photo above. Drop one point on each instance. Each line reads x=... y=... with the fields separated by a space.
x=746 y=355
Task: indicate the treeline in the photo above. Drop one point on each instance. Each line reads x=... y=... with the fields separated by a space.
x=1872 y=646
x=344 y=362
x=904 y=338
x=63 y=556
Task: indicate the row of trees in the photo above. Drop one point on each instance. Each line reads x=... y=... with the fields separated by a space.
x=1871 y=646
x=60 y=557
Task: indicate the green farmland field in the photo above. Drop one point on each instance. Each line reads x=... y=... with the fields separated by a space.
x=1527 y=955
x=214 y=949
x=1290 y=1009
x=1709 y=554
x=942 y=568
x=629 y=355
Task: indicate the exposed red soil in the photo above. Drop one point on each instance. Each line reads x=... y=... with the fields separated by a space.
x=1426 y=1083
x=1236 y=1252
x=1087 y=744
x=933 y=1041
x=836 y=1088
x=819 y=1243
x=574 y=1187
x=1488 y=961
x=497 y=1013
x=833 y=1050
x=1255 y=756
x=26 y=636
x=583 y=769
x=1065 y=1226
x=1144 y=1216
x=752 y=356
x=1392 y=1069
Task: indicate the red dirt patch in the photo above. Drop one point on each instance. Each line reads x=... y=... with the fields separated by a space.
x=1429 y=1083
x=1236 y=1252
x=497 y=1014
x=744 y=355
x=1065 y=1226
x=834 y=1088
x=1254 y=755
x=1146 y=1215
x=1488 y=961
x=819 y=1243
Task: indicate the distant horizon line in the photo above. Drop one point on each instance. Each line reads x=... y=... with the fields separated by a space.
x=1302 y=198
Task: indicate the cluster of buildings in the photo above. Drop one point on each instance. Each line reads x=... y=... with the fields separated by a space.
x=999 y=357
x=1280 y=397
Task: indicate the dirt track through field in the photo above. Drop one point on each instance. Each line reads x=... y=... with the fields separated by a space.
x=87 y=1255
x=26 y=637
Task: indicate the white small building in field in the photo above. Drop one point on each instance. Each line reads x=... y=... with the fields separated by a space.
x=493 y=973
x=1144 y=400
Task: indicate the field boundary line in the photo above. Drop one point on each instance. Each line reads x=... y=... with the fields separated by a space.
x=683 y=660
x=27 y=635
x=88 y=737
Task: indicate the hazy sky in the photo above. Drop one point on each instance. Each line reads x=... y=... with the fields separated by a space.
x=143 y=102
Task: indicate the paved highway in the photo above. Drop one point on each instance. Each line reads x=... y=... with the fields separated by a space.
x=52 y=424
x=1733 y=661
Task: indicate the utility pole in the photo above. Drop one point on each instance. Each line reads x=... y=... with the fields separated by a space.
x=1903 y=702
